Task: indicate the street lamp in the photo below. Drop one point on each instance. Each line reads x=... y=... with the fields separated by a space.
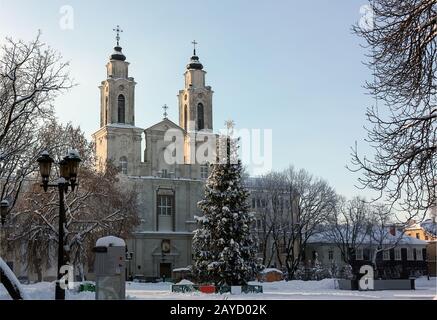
x=68 y=168
x=4 y=210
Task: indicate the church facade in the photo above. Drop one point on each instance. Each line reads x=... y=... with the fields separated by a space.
x=170 y=176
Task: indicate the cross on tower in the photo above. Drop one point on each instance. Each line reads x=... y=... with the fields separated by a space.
x=230 y=124
x=118 y=30
x=194 y=44
x=165 y=108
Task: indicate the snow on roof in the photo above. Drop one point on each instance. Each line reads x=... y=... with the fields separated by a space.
x=182 y=270
x=430 y=227
x=387 y=238
x=110 y=241
x=122 y=125
x=184 y=281
x=268 y=270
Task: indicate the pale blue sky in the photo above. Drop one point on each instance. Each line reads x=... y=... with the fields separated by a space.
x=291 y=66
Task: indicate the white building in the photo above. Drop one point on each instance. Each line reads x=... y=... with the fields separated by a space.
x=168 y=190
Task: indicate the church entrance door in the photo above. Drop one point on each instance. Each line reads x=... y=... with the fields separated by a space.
x=165 y=270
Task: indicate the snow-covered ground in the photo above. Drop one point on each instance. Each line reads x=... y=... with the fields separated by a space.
x=292 y=290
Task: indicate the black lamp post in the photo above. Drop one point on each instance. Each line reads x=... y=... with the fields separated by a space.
x=68 y=168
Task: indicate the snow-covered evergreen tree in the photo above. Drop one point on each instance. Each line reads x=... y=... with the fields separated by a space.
x=225 y=250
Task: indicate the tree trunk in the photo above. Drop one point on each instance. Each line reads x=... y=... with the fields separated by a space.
x=10 y=282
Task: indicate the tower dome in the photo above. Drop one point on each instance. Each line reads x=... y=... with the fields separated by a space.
x=118 y=54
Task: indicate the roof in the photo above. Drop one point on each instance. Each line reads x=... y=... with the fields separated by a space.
x=430 y=226
x=387 y=238
x=164 y=125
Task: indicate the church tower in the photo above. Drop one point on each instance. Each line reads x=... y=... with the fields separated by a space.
x=195 y=100
x=118 y=140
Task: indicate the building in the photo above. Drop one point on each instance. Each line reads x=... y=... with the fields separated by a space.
x=404 y=255
x=427 y=230
x=170 y=174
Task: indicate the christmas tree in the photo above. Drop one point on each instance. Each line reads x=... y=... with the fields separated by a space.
x=224 y=248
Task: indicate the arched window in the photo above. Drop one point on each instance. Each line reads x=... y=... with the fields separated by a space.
x=185 y=117
x=106 y=111
x=121 y=108
x=200 y=117
x=123 y=165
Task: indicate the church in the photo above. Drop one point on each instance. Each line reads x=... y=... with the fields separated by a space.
x=169 y=183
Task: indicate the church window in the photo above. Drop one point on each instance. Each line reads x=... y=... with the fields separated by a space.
x=106 y=111
x=123 y=165
x=204 y=171
x=185 y=117
x=200 y=117
x=121 y=108
x=165 y=205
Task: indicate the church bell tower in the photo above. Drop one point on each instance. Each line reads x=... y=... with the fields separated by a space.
x=118 y=140
x=195 y=100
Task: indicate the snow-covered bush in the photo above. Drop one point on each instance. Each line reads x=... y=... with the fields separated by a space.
x=346 y=272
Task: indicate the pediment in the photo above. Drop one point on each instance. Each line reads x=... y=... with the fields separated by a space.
x=163 y=126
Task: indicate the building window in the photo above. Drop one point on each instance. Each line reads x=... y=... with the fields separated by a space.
x=359 y=254
x=164 y=173
x=185 y=117
x=253 y=202
x=204 y=171
x=165 y=205
x=386 y=255
x=418 y=235
x=410 y=254
x=121 y=108
x=331 y=255
x=419 y=256
x=398 y=255
x=123 y=165
x=105 y=116
x=200 y=117
x=264 y=203
x=258 y=203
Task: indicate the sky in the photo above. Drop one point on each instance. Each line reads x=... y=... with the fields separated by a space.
x=291 y=66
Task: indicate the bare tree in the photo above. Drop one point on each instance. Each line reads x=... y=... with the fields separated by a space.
x=384 y=234
x=349 y=226
x=271 y=195
x=32 y=75
x=311 y=202
x=403 y=56
x=99 y=206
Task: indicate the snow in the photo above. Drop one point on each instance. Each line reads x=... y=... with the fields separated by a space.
x=182 y=270
x=12 y=278
x=267 y=270
x=184 y=281
x=282 y=290
x=110 y=241
x=122 y=125
x=387 y=238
